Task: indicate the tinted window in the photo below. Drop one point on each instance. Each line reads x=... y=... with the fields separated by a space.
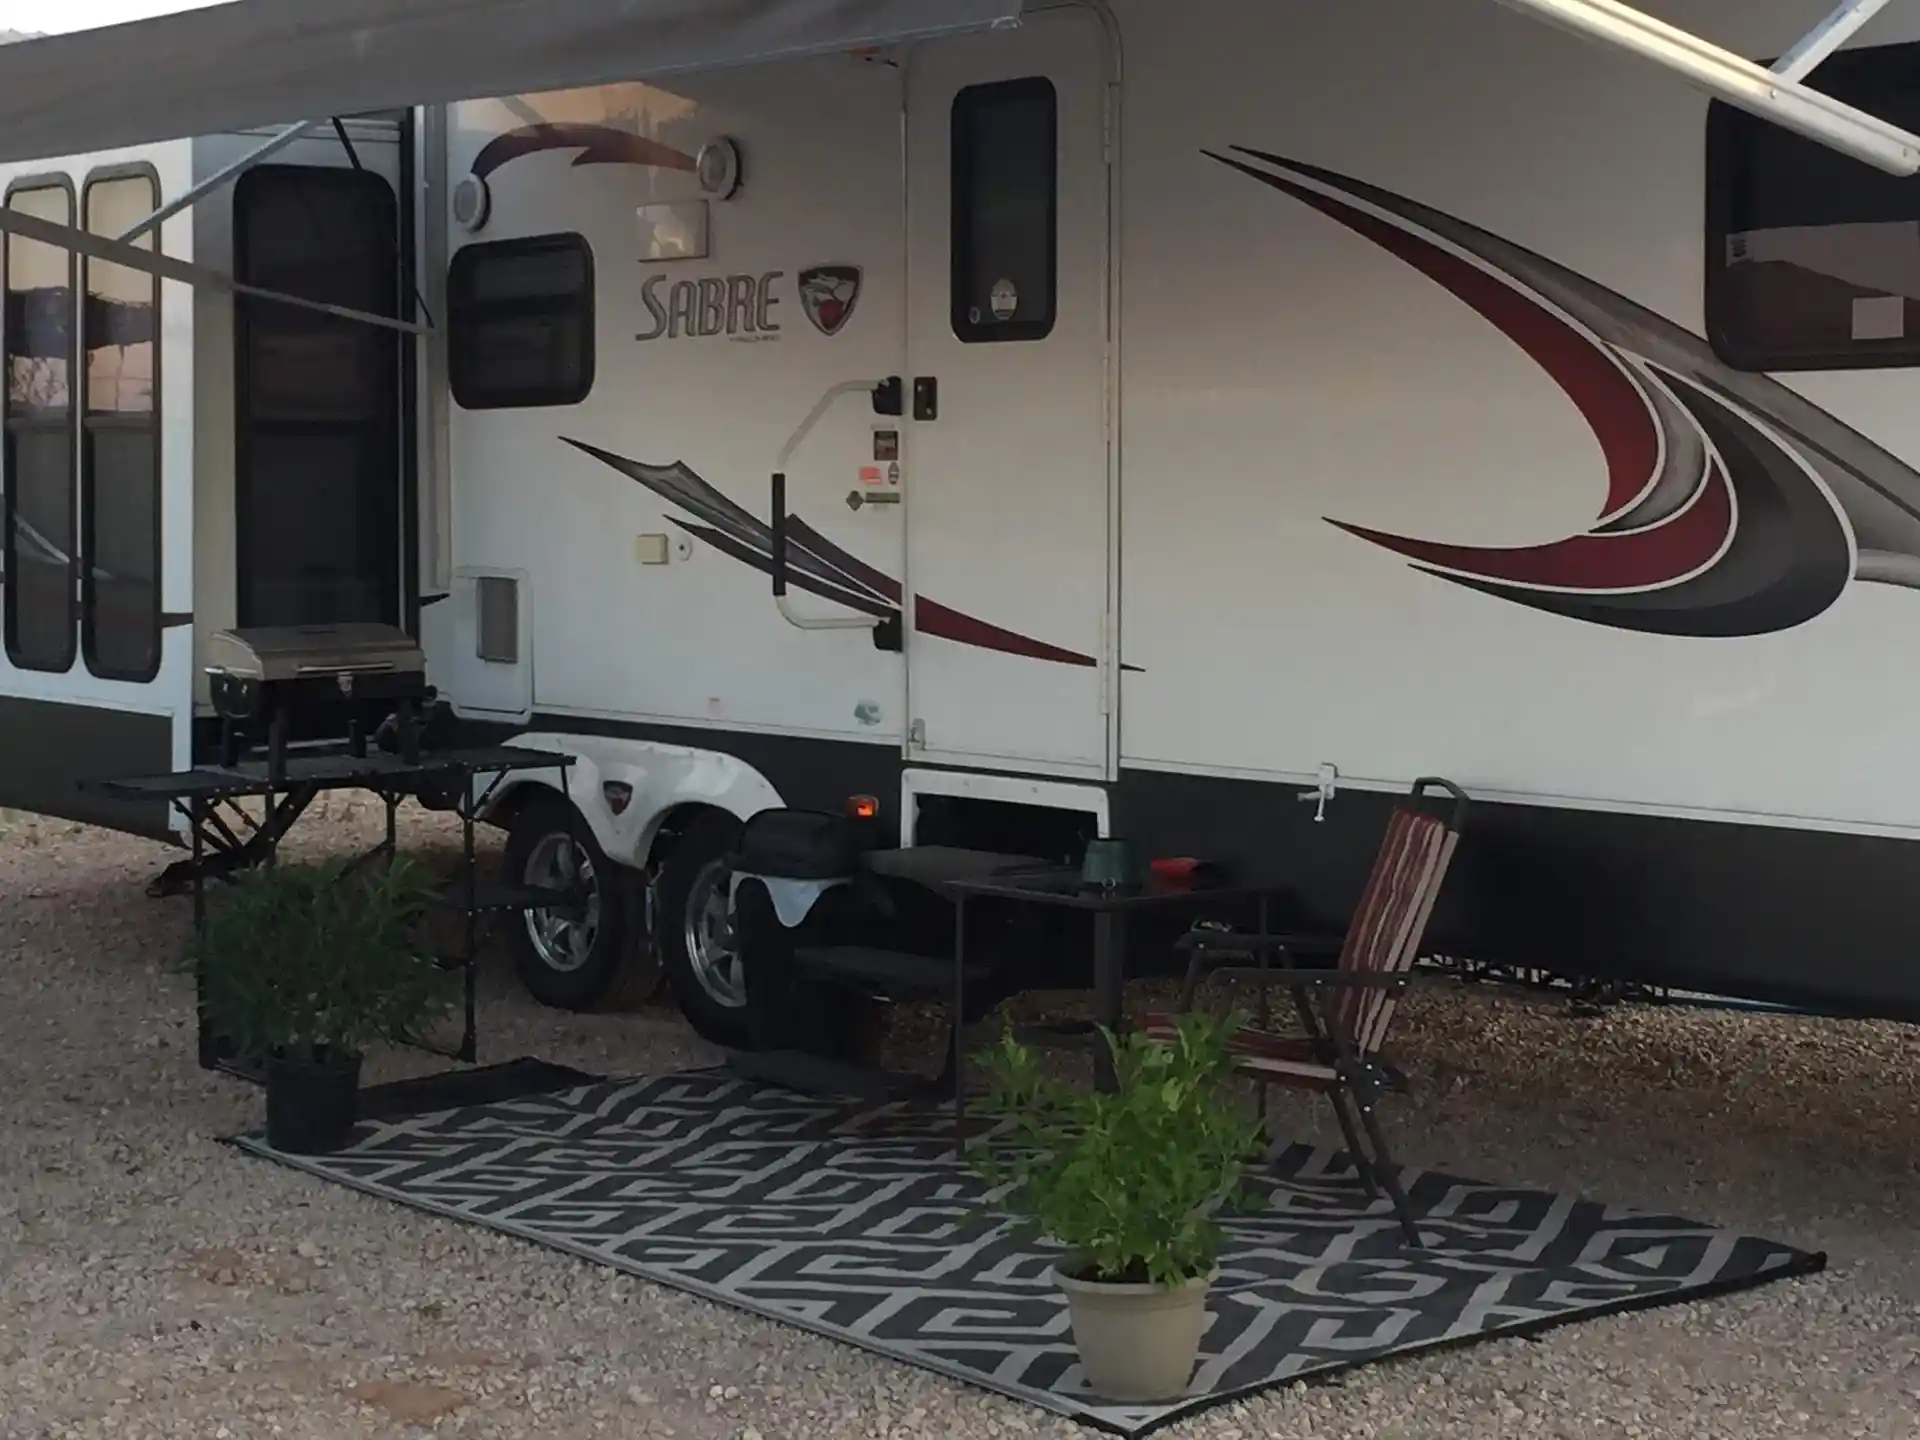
x=1813 y=258
x=120 y=438
x=317 y=445
x=38 y=426
x=520 y=323
x=1005 y=190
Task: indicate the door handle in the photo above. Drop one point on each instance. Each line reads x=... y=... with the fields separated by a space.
x=926 y=397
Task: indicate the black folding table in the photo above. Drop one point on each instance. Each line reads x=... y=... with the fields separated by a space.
x=1111 y=907
x=219 y=848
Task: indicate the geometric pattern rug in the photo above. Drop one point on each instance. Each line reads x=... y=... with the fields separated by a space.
x=859 y=1224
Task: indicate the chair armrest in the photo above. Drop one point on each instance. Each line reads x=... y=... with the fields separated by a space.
x=1229 y=940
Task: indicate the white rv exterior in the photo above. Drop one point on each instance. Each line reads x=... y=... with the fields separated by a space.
x=1371 y=391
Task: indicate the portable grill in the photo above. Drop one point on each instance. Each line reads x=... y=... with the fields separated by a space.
x=330 y=683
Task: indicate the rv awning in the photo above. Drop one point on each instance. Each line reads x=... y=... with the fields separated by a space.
x=249 y=63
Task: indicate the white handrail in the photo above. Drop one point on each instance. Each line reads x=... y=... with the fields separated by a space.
x=778 y=518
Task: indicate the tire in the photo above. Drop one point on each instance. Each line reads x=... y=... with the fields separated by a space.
x=589 y=958
x=695 y=938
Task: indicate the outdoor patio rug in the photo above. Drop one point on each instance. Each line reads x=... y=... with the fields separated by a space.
x=858 y=1224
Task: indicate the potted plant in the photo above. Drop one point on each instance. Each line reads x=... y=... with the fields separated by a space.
x=304 y=966
x=1130 y=1182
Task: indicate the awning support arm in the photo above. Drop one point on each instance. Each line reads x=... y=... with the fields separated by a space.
x=1826 y=37
x=1739 y=81
x=353 y=158
x=219 y=177
x=153 y=262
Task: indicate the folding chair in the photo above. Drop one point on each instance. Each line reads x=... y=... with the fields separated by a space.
x=1344 y=1011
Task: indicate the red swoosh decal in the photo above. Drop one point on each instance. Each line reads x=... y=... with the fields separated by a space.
x=732 y=532
x=1631 y=560
x=933 y=618
x=1612 y=404
x=1616 y=410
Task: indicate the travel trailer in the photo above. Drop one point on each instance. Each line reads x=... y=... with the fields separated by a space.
x=1186 y=421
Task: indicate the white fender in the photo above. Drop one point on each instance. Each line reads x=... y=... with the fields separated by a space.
x=663 y=777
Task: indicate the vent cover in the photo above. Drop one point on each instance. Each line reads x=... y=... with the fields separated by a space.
x=497 y=598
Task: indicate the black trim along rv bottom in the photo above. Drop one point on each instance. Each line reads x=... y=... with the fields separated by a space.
x=50 y=749
x=1796 y=917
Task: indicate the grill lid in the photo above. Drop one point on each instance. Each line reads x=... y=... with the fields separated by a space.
x=304 y=652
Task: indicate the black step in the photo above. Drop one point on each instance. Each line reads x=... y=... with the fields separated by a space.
x=896 y=971
x=811 y=1075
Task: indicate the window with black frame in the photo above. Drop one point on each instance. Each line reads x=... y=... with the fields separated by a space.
x=1005 y=210
x=1813 y=258
x=38 y=435
x=520 y=330
x=317 y=509
x=120 y=441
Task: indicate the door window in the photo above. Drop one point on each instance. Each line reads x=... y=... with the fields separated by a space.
x=1005 y=210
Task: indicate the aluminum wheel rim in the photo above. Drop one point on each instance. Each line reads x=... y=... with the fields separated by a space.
x=708 y=935
x=563 y=938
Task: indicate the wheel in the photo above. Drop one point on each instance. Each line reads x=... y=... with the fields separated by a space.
x=696 y=931
x=582 y=957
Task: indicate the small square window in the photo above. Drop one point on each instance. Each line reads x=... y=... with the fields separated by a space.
x=1005 y=210
x=520 y=323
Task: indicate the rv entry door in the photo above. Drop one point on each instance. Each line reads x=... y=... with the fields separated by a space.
x=1007 y=432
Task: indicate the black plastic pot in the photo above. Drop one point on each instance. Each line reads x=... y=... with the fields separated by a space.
x=312 y=1103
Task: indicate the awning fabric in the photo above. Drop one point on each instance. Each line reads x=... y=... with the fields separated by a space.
x=250 y=63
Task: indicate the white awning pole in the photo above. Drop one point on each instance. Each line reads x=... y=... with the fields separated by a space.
x=1736 y=80
x=153 y=262
x=219 y=177
x=1826 y=37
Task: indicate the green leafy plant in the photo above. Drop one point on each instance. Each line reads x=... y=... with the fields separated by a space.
x=311 y=961
x=1131 y=1181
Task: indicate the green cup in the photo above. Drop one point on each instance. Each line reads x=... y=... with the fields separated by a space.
x=1110 y=864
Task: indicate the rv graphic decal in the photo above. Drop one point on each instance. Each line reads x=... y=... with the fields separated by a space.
x=1733 y=505
x=828 y=294
x=740 y=307
x=737 y=306
x=597 y=144
x=814 y=563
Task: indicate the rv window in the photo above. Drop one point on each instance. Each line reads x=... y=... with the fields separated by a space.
x=317 y=405
x=1813 y=258
x=120 y=442
x=38 y=426
x=1005 y=183
x=520 y=323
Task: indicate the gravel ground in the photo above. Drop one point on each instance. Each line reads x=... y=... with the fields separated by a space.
x=155 y=1283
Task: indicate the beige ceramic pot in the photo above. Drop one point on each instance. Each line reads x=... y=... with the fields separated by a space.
x=1137 y=1343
